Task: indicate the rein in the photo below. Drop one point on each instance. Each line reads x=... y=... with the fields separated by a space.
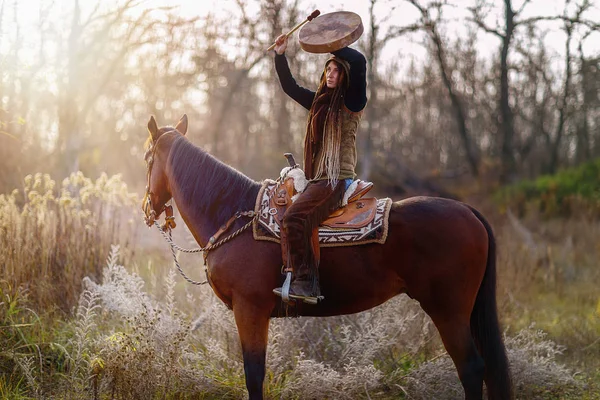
x=212 y=243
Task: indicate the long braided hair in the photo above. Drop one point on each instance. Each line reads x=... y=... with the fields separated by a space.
x=324 y=136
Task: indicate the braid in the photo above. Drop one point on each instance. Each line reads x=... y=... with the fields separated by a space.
x=329 y=164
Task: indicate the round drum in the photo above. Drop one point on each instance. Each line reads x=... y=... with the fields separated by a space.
x=330 y=32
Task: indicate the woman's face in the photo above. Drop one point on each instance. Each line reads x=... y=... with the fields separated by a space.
x=332 y=74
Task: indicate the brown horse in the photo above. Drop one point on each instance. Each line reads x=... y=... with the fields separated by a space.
x=439 y=252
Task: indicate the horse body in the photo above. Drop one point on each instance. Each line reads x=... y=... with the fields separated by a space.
x=416 y=241
x=440 y=252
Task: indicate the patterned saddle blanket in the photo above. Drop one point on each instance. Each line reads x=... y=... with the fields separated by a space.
x=365 y=220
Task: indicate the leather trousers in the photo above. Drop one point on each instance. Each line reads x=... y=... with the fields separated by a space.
x=300 y=225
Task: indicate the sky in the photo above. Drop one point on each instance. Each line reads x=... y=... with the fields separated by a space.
x=398 y=12
x=405 y=14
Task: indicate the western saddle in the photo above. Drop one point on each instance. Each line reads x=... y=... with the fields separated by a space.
x=355 y=213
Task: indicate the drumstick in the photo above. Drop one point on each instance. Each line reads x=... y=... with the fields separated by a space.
x=312 y=16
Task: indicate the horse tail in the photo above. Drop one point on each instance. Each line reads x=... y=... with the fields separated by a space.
x=485 y=327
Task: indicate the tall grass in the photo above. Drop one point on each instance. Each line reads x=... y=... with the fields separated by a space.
x=124 y=342
x=51 y=237
x=157 y=337
x=145 y=347
x=550 y=277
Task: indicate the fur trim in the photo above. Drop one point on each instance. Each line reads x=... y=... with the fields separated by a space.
x=284 y=172
x=349 y=192
x=300 y=180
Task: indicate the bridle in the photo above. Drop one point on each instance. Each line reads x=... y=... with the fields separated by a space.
x=150 y=214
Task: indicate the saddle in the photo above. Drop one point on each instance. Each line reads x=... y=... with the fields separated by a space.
x=356 y=211
x=359 y=221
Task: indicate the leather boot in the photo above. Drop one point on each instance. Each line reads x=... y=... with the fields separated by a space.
x=300 y=237
x=305 y=283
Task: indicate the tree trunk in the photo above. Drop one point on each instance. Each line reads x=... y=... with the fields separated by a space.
x=508 y=173
x=457 y=105
x=560 y=128
x=366 y=151
x=583 y=151
x=68 y=119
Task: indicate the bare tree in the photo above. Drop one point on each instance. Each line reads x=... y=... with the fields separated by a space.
x=97 y=45
x=589 y=87
x=113 y=65
x=280 y=19
x=430 y=25
x=252 y=53
x=374 y=44
x=506 y=35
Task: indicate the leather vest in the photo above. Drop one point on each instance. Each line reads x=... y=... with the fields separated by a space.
x=348 y=154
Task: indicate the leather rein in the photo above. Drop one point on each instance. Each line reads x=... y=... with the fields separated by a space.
x=150 y=218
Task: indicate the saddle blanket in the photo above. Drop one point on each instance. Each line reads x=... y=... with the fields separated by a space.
x=266 y=226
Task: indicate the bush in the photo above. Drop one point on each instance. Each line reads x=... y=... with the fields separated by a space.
x=50 y=239
x=572 y=191
x=123 y=343
x=535 y=371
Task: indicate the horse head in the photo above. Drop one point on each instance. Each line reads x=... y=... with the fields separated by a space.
x=158 y=191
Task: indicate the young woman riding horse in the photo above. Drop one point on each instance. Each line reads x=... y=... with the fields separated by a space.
x=335 y=111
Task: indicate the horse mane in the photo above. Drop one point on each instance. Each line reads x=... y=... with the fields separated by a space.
x=215 y=188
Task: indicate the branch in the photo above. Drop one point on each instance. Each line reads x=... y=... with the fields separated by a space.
x=522 y=7
x=128 y=45
x=477 y=20
x=532 y=20
x=94 y=16
x=419 y=7
x=527 y=54
x=394 y=33
x=576 y=21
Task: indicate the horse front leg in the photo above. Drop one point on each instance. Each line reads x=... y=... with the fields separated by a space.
x=253 y=328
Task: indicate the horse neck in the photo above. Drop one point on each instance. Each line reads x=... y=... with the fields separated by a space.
x=210 y=194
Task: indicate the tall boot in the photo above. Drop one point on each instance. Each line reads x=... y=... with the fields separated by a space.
x=301 y=223
x=305 y=275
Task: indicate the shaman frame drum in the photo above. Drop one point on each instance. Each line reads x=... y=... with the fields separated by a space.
x=331 y=32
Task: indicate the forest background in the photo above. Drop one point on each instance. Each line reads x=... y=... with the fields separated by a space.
x=496 y=103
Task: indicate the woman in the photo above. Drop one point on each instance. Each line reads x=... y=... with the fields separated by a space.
x=335 y=111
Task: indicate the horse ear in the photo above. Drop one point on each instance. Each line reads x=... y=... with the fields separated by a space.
x=182 y=125
x=153 y=128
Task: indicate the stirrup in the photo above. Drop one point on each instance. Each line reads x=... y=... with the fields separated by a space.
x=293 y=298
x=284 y=293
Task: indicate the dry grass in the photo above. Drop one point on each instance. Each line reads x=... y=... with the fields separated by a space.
x=156 y=348
x=142 y=332
x=550 y=277
x=50 y=238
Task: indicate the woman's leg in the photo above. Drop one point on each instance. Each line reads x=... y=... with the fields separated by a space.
x=301 y=219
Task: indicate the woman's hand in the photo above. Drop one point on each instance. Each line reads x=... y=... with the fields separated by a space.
x=281 y=44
